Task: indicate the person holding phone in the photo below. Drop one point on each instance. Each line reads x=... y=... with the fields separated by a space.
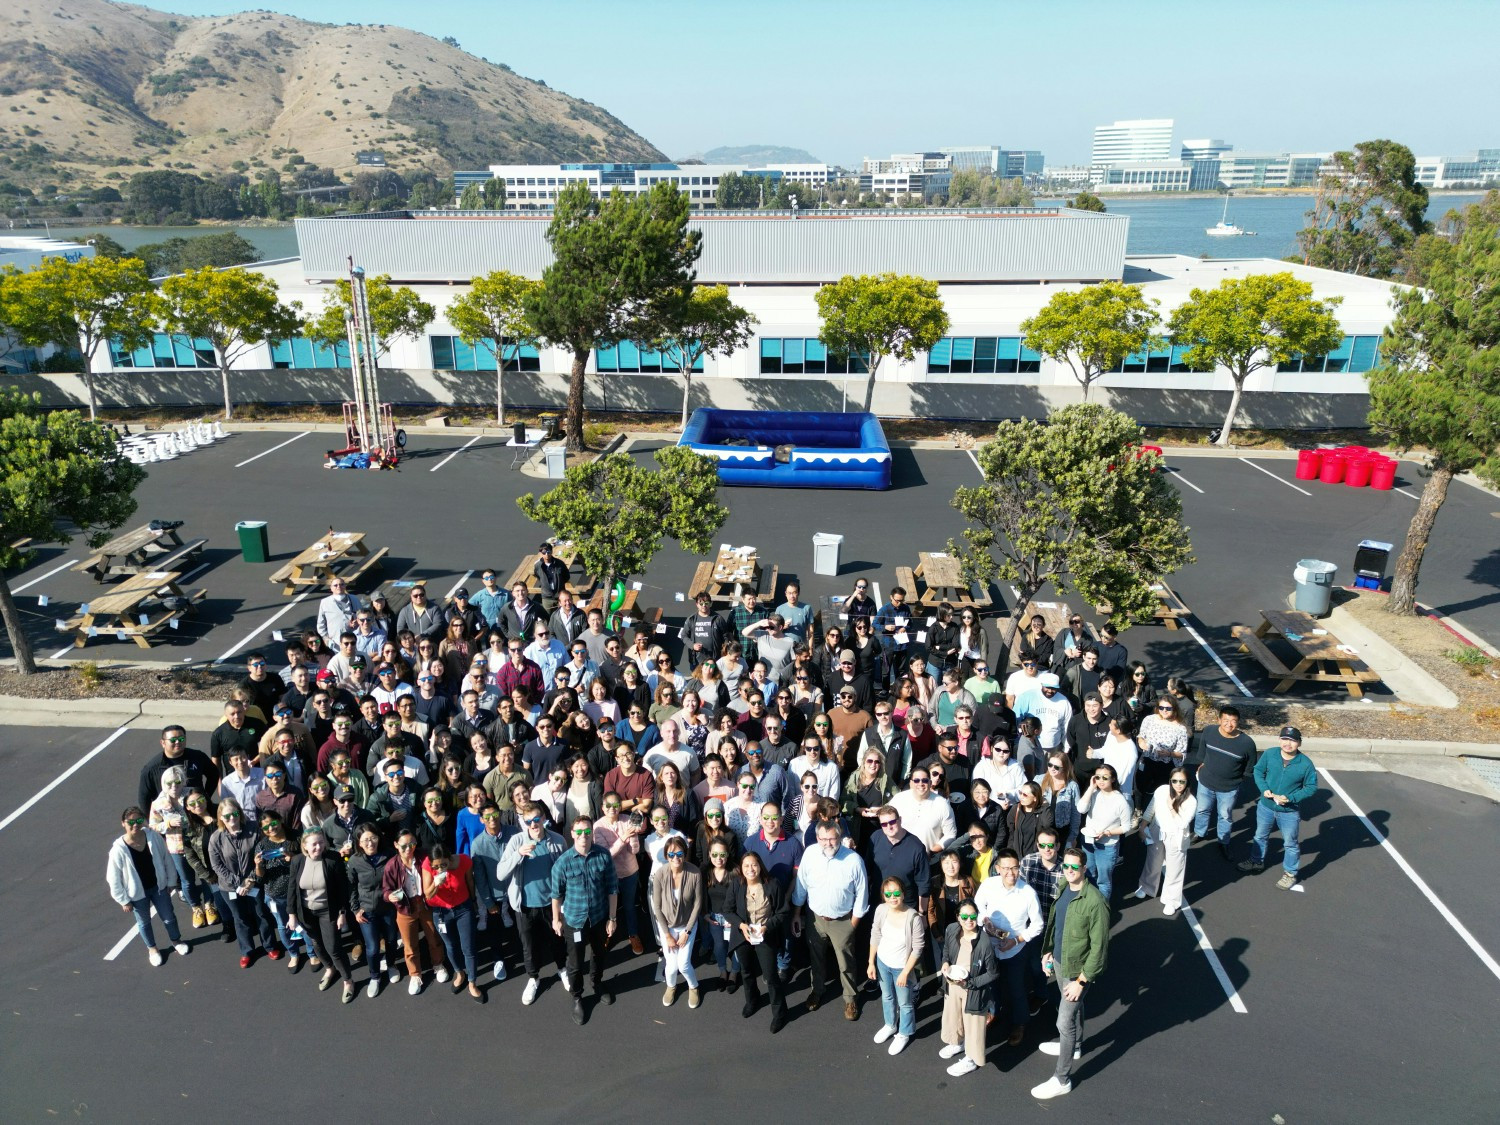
x=231 y=852
x=401 y=883
x=1109 y=818
x=757 y=914
x=526 y=867
x=448 y=887
x=1076 y=947
x=968 y=970
x=1011 y=914
x=317 y=905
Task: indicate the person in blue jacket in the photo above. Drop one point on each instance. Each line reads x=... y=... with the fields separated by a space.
x=1285 y=780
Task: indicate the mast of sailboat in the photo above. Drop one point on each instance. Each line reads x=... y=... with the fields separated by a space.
x=1224 y=218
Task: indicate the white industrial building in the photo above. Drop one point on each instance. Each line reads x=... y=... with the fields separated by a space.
x=1130 y=141
x=534 y=187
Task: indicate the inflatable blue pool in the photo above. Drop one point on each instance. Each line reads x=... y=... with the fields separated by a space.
x=792 y=449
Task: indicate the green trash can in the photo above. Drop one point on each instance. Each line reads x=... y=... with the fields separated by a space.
x=255 y=544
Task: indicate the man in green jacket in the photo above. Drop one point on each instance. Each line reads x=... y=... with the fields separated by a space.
x=1285 y=780
x=1076 y=946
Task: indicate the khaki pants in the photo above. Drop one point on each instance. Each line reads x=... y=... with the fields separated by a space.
x=413 y=927
x=960 y=1026
x=835 y=935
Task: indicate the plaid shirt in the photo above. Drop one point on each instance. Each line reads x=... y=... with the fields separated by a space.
x=1045 y=883
x=583 y=884
x=741 y=619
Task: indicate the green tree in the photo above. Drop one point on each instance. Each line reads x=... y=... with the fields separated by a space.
x=59 y=475
x=472 y=198
x=1069 y=501
x=705 y=322
x=616 y=510
x=618 y=266
x=396 y=313
x=1368 y=210
x=879 y=315
x=105 y=246
x=1438 y=382
x=1248 y=323
x=1087 y=201
x=737 y=192
x=233 y=309
x=494 y=194
x=1014 y=193
x=83 y=305
x=494 y=309
x=1093 y=329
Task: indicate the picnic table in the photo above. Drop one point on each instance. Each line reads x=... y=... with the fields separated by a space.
x=337 y=554
x=565 y=553
x=142 y=549
x=137 y=608
x=1055 y=614
x=524 y=449
x=630 y=611
x=938 y=578
x=1321 y=656
x=1169 y=609
x=727 y=575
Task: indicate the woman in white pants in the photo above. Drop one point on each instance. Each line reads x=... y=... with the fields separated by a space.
x=677 y=904
x=1170 y=817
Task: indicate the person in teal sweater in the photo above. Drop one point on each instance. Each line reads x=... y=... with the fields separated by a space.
x=1285 y=780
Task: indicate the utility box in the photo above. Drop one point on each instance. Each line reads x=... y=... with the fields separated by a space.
x=255 y=543
x=1315 y=581
x=557 y=461
x=826 y=550
x=1370 y=559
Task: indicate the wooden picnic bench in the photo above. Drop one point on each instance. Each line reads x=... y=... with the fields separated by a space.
x=565 y=553
x=1321 y=658
x=338 y=554
x=730 y=573
x=138 y=550
x=942 y=580
x=702 y=576
x=1169 y=610
x=140 y=606
x=1055 y=614
x=630 y=610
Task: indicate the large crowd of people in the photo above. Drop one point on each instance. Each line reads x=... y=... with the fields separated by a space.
x=508 y=785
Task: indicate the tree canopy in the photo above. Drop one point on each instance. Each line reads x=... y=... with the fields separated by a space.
x=396 y=313
x=879 y=315
x=1368 y=211
x=59 y=475
x=970 y=188
x=1087 y=201
x=737 y=192
x=704 y=322
x=1072 y=501
x=1248 y=323
x=494 y=309
x=1438 y=382
x=619 y=265
x=1093 y=329
x=234 y=309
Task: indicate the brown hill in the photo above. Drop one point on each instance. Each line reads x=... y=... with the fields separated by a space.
x=93 y=91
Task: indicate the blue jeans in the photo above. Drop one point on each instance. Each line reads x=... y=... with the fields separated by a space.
x=627 y=903
x=897 y=1003
x=713 y=929
x=192 y=890
x=377 y=925
x=141 y=908
x=1101 y=860
x=250 y=917
x=455 y=926
x=1288 y=822
x=1208 y=798
x=296 y=946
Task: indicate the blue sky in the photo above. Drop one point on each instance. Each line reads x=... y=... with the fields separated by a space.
x=844 y=80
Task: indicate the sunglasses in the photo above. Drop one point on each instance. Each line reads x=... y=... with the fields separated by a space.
x=532 y=820
x=1179 y=781
x=1074 y=866
x=921 y=781
x=770 y=820
x=136 y=822
x=893 y=894
x=718 y=855
x=613 y=806
x=1046 y=847
x=968 y=917
x=275 y=773
x=176 y=740
x=589 y=832
x=670 y=855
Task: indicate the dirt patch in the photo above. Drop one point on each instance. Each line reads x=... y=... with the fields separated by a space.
x=86 y=680
x=1474 y=679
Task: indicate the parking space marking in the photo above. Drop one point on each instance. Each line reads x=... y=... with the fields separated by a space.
x=62 y=652
x=457 y=584
x=1405 y=493
x=977 y=465
x=1411 y=873
x=273 y=449
x=120 y=945
x=62 y=777
x=275 y=617
x=1273 y=476
x=1213 y=960
x=1217 y=659
x=455 y=453
x=43 y=578
x=1178 y=474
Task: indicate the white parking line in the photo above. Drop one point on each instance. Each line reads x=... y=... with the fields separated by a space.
x=1427 y=892
x=1178 y=474
x=977 y=465
x=261 y=628
x=43 y=578
x=62 y=777
x=1405 y=493
x=120 y=945
x=1274 y=477
x=455 y=453
x=457 y=584
x=1213 y=960
x=62 y=652
x=273 y=449
x=1246 y=692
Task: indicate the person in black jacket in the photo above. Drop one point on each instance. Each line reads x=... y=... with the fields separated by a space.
x=758 y=912
x=375 y=916
x=1086 y=733
x=969 y=970
x=202 y=774
x=551 y=575
x=318 y=904
x=942 y=639
x=1037 y=644
x=703 y=634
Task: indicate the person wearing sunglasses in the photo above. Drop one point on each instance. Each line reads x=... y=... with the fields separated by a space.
x=867 y=789
x=448 y=887
x=968 y=971
x=758 y=914
x=140 y=876
x=585 y=902
x=676 y=905
x=1060 y=792
x=401 y=885
x=897 y=940
x=924 y=813
x=317 y=905
x=1011 y=913
x=526 y=868
x=231 y=852
x=742 y=811
x=1109 y=817
x=199 y=771
x=1163 y=742
x=1168 y=826
x=1075 y=948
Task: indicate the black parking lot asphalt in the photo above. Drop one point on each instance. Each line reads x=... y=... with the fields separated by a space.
x=451 y=509
x=1362 y=1004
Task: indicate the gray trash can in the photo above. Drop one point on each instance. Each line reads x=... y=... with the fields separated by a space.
x=826 y=548
x=1315 y=580
x=255 y=543
x=557 y=461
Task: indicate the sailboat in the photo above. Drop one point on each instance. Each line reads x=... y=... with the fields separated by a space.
x=1224 y=228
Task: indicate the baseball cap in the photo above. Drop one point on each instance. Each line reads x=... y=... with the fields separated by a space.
x=1291 y=732
x=847 y=654
x=324 y=676
x=461 y=592
x=1049 y=679
x=343 y=793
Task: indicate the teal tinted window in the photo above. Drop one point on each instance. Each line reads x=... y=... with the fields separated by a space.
x=627 y=356
x=797 y=355
x=1365 y=353
x=450 y=353
x=1354 y=353
x=165 y=351
x=984 y=355
x=301 y=353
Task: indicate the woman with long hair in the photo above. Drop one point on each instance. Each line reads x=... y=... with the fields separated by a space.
x=448 y=887
x=681 y=803
x=601 y=705
x=867 y=789
x=968 y=971
x=1163 y=741
x=1060 y=794
x=231 y=851
x=897 y=939
x=758 y=915
x=317 y=904
x=1168 y=822
x=1109 y=818
x=664 y=704
x=375 y=917
x=1028 y=816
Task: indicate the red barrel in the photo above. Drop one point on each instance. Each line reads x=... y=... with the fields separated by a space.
x=1357 y=472
x=1309 y=461
x=1383 y=474
x=1352 y=450
x=1332 y=471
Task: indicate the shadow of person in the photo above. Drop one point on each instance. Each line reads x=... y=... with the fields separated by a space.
x=1335 y=838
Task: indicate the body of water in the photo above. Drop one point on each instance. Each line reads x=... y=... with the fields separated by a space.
x=1162 y=224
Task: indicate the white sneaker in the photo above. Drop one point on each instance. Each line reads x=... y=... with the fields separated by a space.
x=499 y=971
x=884 y=1033
x=182 y=948
x=154 y=956
x=567 y=981
x=414 y=987
x=963 y=1066
x=533 y=986
x=1169 y=910
x=440 y=975
x=374 y=988
x=898 y=1044
x=1053 y=1047
x=393 y=975
x=951 y=1050
x=1138 y=893
x=1052 y=1088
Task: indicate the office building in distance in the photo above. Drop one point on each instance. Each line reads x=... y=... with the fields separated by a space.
x=535 y=187
x=1132 y=142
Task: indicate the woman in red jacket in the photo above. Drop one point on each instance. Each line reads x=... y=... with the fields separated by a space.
x=401 y=884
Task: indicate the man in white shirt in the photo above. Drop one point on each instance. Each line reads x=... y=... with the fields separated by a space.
x=1012 y=915
x=811 y=761
x=336 y=613
x=831 y=885
x=1051 y=708
x=924 y=814
x=1021 y=681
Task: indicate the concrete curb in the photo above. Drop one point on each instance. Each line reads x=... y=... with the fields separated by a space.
x=1397 y=747
x=195 y=714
